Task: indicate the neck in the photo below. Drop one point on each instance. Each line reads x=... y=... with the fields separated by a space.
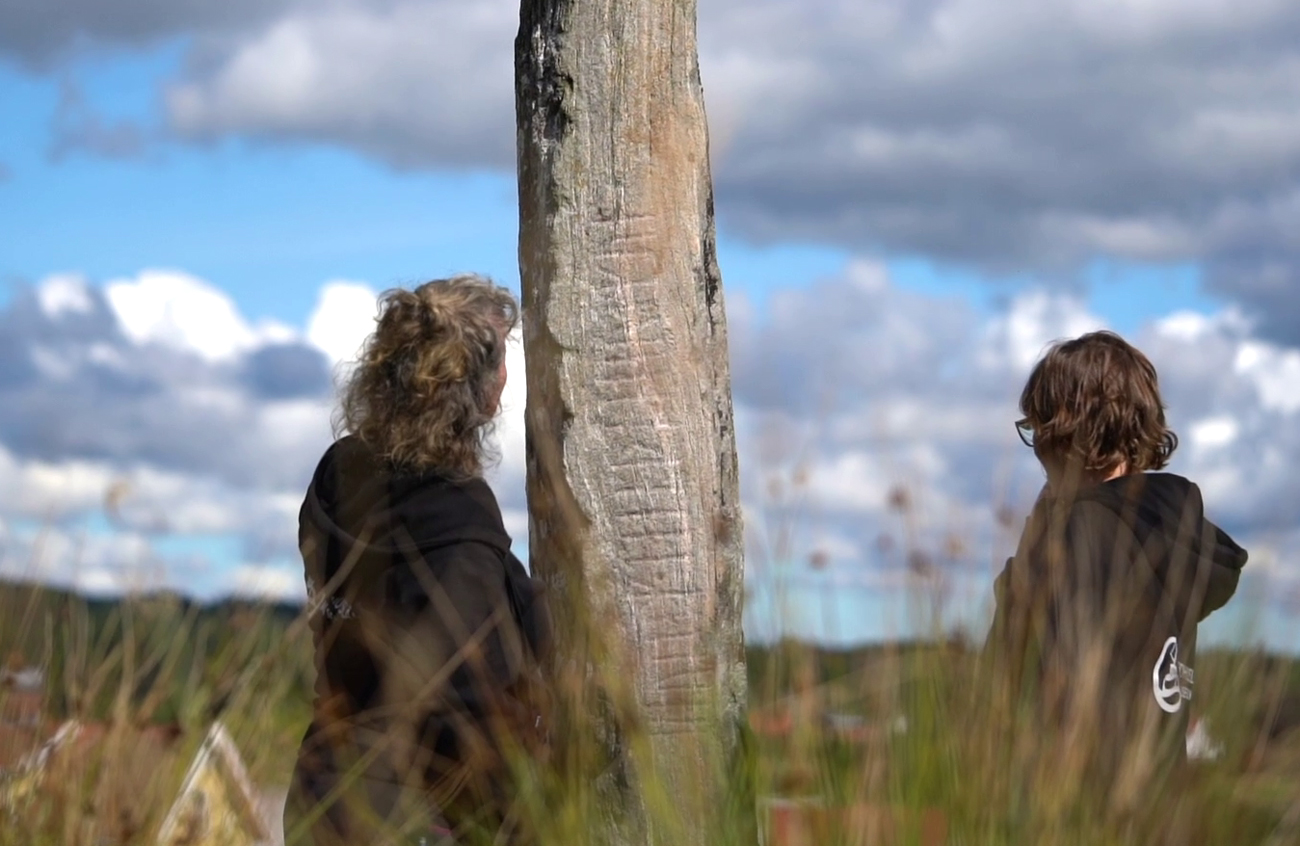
x=1058 y=476
x=1121 y=470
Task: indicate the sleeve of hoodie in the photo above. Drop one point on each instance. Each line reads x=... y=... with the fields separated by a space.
x=1013 y=586
x=1007 y=647
x=1224 y=569
x=1050 y=594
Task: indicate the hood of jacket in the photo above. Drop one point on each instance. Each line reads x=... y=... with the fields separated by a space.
x=362 y=511
x=354 y=501
x=1192 y=558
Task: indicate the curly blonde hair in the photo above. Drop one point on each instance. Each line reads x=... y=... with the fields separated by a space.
x=421 y=393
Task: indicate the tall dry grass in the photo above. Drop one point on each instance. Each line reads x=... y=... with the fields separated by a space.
x=901 y=743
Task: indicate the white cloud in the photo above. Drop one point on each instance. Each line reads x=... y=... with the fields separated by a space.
x=155 y=408
x=98 y=564
x=516 y=523
x=1185 y=326
x=507 y=477
x=344 y=317
x=509 y=431
x=848 y=391
x=853 y=481
x=182 y=312
x=49 y=490
x=1274 y=371
x=100 y=582
x=151 y=410
x=1007 y=135
x=277 y=584
x=292 y=427
x=351 y=72
x=937 y=422
x=64 y=293
x=1214 y=432
x=1036 y=319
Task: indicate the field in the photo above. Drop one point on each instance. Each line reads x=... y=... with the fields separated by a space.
x=890 y=744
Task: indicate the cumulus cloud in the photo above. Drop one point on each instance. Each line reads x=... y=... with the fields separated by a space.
x=507 y=475
x=179 y=311
x=1021 y=135
x=874 y=425
x=413 y=83
x=162 y=370
x=39 y=490
x=278 y=584
x=91 y=564
x=37 y=33
x=344 y=316
x=1009 y=137
x=1004 y=135
x=877 y=439
x=150 y=405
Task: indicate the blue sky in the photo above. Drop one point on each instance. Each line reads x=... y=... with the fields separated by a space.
x=956 y=221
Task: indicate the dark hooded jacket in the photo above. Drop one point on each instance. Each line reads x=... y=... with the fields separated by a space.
x=1113 y=581
x=430 y=639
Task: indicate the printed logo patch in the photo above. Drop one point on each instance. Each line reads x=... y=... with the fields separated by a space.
x=332 y=608
x=1171 y=680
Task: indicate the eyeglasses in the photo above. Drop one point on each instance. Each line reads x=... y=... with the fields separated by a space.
x=1026 y=431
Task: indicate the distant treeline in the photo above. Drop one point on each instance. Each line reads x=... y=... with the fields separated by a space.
x=159 y=657
x=164 y=658
x=880 y=680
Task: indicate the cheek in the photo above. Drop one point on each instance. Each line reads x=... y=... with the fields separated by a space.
x=1050 y=465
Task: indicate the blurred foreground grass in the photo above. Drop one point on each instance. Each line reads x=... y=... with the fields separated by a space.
x=901 y=736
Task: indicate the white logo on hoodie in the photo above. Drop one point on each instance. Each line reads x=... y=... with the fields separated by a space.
x=1171 y=680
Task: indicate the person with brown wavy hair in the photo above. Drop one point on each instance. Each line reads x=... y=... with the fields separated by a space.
x=430 y=638
x=1098 y=609
x=1092 y=411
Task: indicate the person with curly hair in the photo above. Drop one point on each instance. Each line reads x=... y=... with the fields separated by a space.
x=1097 y=612
x=430 y=638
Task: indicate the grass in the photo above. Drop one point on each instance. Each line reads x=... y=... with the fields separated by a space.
x=978 y=771
x=145 y=678
x=152 y=673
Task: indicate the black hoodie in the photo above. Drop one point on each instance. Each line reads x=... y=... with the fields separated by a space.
x=1127 y=569
x=427 y=629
